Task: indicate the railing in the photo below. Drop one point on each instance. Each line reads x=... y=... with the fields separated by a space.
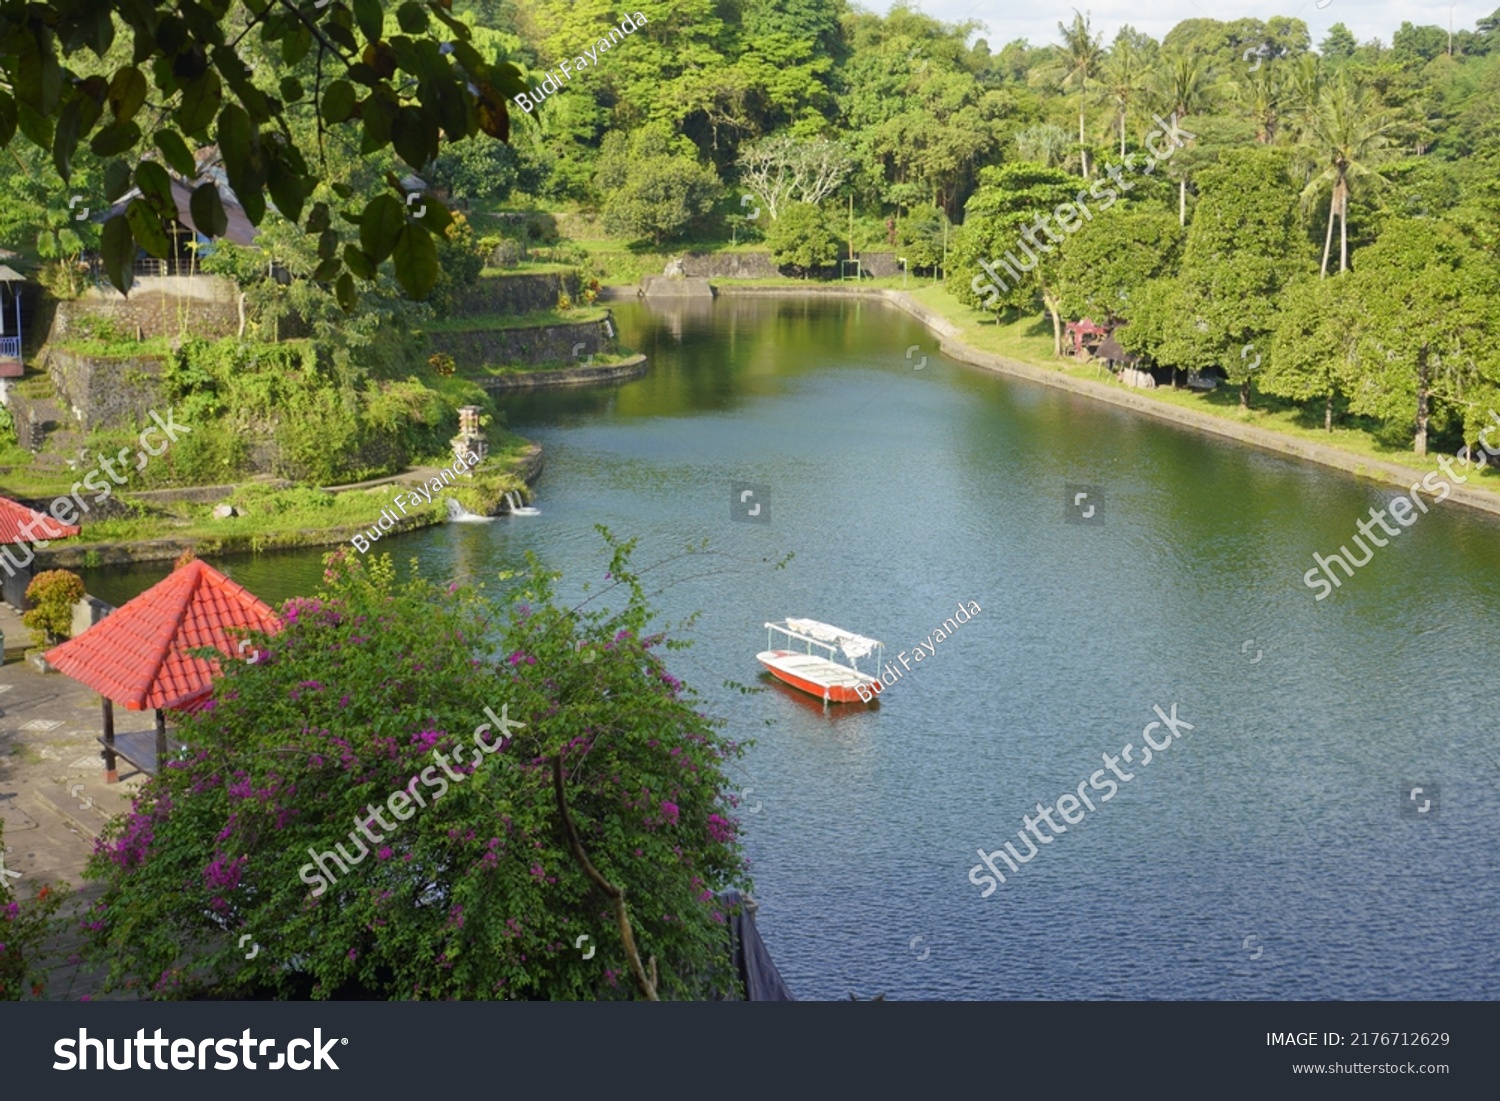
x=10 y=347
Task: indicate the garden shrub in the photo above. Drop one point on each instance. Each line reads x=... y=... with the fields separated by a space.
x=52 y=594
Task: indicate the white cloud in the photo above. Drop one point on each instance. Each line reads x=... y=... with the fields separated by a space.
x=1004 y=21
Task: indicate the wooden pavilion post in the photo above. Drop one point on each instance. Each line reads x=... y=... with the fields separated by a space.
x=161 y=740
x=111 y=768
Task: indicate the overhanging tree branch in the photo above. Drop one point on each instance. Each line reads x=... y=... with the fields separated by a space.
x=646 y=982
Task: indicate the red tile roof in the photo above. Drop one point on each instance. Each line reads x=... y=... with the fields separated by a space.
x=13 y=515
x=138 y=654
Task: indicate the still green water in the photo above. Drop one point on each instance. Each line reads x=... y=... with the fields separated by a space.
x=1270 y=852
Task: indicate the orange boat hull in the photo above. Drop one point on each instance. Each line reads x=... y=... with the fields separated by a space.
x=833 y=693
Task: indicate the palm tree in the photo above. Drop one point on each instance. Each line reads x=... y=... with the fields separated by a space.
x=1044 y=143
x=1123 y=77
x=1347 y=136
x=1262 y=95
x=1182 y=86
x=1074 y=62
x=1304 y=89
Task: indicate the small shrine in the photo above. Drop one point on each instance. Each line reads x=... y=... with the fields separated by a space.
x=470 y=436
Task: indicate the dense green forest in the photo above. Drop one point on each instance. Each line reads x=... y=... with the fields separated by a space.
x=1321 y=227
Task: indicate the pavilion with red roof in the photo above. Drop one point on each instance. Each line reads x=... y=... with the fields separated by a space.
x=139 y=656
x=22 y=526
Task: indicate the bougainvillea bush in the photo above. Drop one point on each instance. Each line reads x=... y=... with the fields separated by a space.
x=475 y=893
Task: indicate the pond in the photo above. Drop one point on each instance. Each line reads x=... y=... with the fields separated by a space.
x=1272 y=849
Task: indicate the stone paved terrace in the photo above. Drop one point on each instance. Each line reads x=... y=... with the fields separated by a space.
x=53 y=797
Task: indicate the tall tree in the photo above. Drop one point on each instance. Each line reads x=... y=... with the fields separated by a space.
x=1124 y=78
x=1311 y=355
x=1075 y=61
x=1349 y=137
x=1429 y=335
x=1241 y=249
x=1007 y=251
x=1182 y=85
x=1339 y=45
x=1104 y=266
x=1260 y=95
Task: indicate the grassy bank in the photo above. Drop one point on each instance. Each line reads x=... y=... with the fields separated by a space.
x=271 y=518
x=1028 y=340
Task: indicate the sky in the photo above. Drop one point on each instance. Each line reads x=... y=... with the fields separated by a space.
x=1006 y=19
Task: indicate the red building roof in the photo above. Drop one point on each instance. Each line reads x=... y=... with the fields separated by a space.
x=138 y=654
x=13 y=515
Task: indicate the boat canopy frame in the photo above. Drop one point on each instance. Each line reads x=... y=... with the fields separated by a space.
x=835 y=640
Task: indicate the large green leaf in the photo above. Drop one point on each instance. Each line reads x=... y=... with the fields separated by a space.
x=412 y=18
x=116 y=179
x=154 y=183
x=175 y=152
x=380 y=227
x=117 y=249
x=208 y=210
x=200 y=103
x=116 y=139
x=127 y=91
x=65 y=141
x=285 y=185
x=37 y=127
x=338 y=102
x=416 y=260
x=414 y=135
x=344 y=292
x=236 y=138
x=371 y=18
x=357 y=262
x=145 y=226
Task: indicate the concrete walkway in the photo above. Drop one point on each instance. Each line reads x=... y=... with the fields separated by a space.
x=53 y=797
x=52 y=792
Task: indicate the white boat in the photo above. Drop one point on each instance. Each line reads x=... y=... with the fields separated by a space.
x=817 y=673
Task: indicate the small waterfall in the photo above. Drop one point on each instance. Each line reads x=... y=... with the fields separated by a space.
x=457 y=514
x=516 y=507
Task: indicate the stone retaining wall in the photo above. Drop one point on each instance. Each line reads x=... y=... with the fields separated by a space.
x=674 y=286
x=517 y=294
x=634 y=367
x=475 y=348
x=166 y=305
x=730 y=265
x=104 y=392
